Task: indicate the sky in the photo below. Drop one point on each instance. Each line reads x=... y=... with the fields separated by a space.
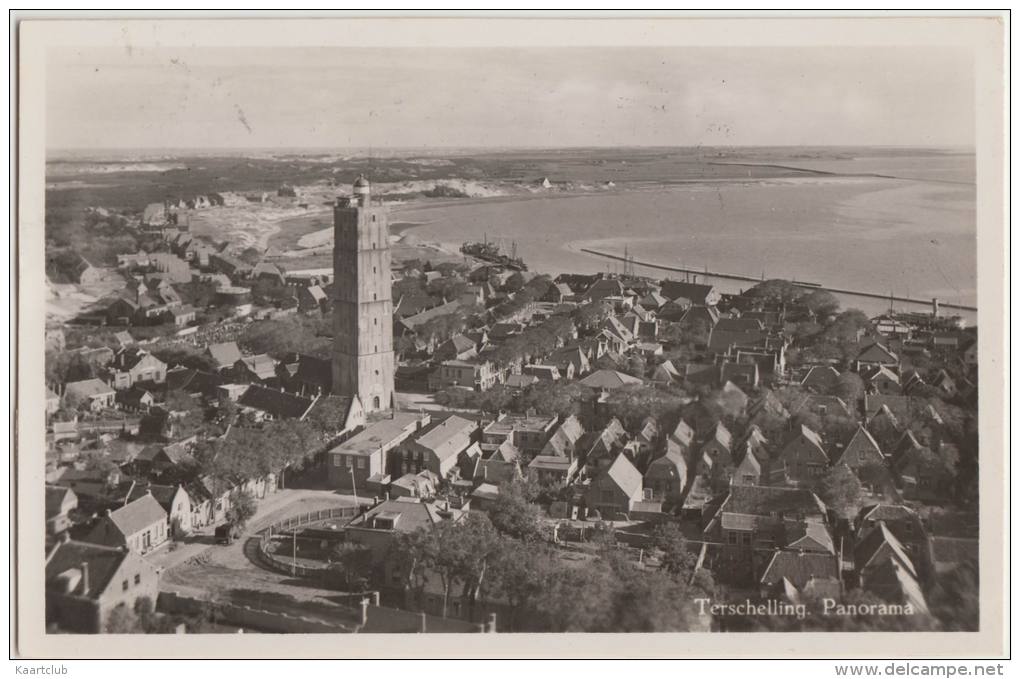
x=556 y=97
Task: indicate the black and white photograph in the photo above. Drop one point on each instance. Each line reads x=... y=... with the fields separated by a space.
x=579 y=334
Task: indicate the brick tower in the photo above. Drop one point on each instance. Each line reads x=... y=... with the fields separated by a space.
x=362 y=305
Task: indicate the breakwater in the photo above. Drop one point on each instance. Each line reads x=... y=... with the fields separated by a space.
x=742 y=277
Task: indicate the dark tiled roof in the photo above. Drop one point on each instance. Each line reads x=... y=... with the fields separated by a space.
x=189 y=380
x=164 y=495
x=102 y=562
x=316 y=371
x=765 y=500
x=692 y=291
x=279 y=404
x=55 y=497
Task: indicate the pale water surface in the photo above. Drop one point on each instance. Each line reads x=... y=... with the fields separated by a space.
x=913 y=237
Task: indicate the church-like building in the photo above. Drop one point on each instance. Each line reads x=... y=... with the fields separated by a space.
x=362 y=304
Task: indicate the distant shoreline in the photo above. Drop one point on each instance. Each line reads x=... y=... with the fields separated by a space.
x=751 y=279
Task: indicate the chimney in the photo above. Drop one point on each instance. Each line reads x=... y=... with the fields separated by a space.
x=375 y=597
x=421 y=622
x=84 y=578
x=492 y=624
x=364 y=611
x=935 y=307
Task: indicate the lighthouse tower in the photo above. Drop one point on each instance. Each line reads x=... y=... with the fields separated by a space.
x=362 y=305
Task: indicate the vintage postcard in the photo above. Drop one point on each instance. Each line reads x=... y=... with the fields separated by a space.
x=660 y=335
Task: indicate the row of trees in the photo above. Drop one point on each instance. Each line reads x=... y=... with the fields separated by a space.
x=503 y=558
x=289 y=335
x=250 y=450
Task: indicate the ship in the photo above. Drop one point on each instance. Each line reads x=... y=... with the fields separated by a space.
x=492 y=253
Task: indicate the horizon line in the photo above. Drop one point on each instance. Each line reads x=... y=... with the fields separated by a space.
x=371 y=148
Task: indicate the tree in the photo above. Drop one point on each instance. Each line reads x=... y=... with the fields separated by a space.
x=676 y=558
x=632 y=404
x=636 y=366
x=65 y=367
x=556 y=398
x=297 y=334
x=956 y=601
x=845 y=327
x=777 y=291
x=458 y=552
x=352 y=561
x=821 y=303
x=515 y=282
x=841 y=491
x=250 y=256
x=122 y=620
x=849 y=386
x=189 y=357
x=698 y=332
x=242 y=509
x=514 y=512
x=592 y=314
x=650 y=601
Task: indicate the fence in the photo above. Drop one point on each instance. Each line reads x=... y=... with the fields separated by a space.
x=287 y=566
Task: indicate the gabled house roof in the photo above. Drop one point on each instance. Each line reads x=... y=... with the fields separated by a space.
x=278 y=404
x=866 y=552
x=609 y=379
x=721 y=339
x=877 y=352
x=820 y=377
x=749 y=463
x=261 y=365
x=722 y=435
x=695 y=292
x=671 y=462
x=564 y=438
x=520 y=381
x=551 y=462
x=666 y=372
x=63 y=567
x=797 y=567
x=163 y=494
x=225 y=353
x=88 y=388
x=683 y=433
x=625 y=475
x=768 y=404
x=459 y=344
x=56 y=497
x=896 y=404
x=772 y=500
x=604 y=287
x=616 y=328
x=413 y=322
x=739 y=324
x=138 y=514
x=190 y=380
x=860 y=450
x=447 y=438
x=809 y=536
x=812 y=437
